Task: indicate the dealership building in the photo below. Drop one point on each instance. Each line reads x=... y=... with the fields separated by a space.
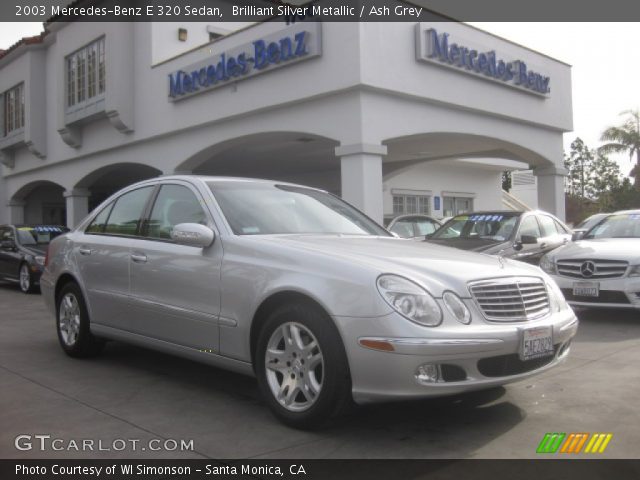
x=394 y=117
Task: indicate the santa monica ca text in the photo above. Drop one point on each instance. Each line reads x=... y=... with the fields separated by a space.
x=456 y=55
x=142 y=469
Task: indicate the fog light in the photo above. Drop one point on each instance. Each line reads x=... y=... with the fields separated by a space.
x=428 y=373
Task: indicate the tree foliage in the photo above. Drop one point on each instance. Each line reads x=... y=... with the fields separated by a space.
x=625 y=138
x=593 y=183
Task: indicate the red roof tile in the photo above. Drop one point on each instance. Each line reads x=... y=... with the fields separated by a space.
x=24 y=41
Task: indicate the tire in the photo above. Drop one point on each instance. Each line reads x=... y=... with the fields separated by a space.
x=25 y=279
x=307 y=382
x=72 y=324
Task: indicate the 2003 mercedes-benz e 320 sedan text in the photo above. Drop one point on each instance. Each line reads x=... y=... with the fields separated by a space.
x=293 y=285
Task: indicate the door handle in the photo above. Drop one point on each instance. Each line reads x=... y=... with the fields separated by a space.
x=84 y=251
x=139 y=257
x=543 y=245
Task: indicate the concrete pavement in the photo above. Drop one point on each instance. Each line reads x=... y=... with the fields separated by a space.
x=131 y=393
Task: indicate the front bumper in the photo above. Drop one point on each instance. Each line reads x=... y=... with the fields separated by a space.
x=468 y=357
x=621 y=292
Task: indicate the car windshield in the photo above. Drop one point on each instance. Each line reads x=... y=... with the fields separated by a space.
x=590 y=222
x=486 y=226
x=38 y=234
x=624 y=225
x=254 y=208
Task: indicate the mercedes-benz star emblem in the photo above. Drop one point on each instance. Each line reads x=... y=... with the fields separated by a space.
x=587 y=269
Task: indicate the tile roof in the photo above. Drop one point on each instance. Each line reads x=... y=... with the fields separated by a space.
x=23 y=41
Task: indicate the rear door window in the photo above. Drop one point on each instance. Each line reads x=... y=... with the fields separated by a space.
x=529 y=226
x=127 y=212
x=100 y=221
x=548 y=226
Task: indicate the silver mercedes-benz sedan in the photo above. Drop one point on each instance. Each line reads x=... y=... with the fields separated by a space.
x=295 y=286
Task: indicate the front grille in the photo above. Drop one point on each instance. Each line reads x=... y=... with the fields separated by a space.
x=578 y=268
x=604 y=296
x=506 y=365
x=511 y=298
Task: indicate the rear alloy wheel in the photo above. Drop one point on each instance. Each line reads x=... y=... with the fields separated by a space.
x=72 y=321
x=24 y=277
x=302 y=367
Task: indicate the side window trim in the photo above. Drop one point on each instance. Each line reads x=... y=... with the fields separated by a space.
x=140 y=219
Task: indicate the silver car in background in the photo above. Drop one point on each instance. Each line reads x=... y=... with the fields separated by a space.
x=295 y=286
x=602 y=269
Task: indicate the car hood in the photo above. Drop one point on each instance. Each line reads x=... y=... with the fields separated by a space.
x=601 y=248
x=438 y=268
x=473 y=244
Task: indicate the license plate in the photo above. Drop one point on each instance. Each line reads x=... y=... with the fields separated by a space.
x=586 y=289
x=536 y=343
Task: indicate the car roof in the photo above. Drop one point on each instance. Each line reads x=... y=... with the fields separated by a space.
x=409 y=215
x=622 y=212
x=492 y=212
x=32 y=225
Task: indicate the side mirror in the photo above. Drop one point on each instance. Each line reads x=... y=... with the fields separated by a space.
x=528 y=240
x=8 y=245
x=193 y=235
x=577 y=235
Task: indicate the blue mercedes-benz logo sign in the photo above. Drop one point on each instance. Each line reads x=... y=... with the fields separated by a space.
x=588 y=268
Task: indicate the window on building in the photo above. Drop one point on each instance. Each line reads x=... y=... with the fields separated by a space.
x=86 y=73
x=13 y=109
x=452 y=206
x=404 y=204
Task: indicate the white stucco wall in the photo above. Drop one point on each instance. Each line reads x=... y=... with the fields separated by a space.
x=366 y=90
x=443 y=178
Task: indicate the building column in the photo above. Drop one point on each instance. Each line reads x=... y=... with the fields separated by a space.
x=551 y=190
x=361 y=177
x=77 y=205
x=15 y=209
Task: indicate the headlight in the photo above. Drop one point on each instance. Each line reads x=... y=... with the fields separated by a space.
x=410 y=300
x=557 y=301
x=39 y=260
x=456 y=307
x=635 y=271
x=547 y=265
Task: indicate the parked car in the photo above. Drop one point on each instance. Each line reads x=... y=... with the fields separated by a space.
x=524 y=236
x=586 y=225
x=413 y=226
x=22 y=252
x=295 y=286
x=602 y=269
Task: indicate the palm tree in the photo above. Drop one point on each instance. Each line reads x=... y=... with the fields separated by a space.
x=625 y=139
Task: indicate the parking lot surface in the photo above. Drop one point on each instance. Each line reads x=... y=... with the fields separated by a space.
x=132 y=393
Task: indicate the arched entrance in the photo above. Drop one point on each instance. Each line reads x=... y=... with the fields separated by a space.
x=288 y=156
x=38 y=202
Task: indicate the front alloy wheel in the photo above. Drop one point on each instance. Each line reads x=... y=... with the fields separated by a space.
x=301 y=366
x=24 y=277
x=294 y=366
